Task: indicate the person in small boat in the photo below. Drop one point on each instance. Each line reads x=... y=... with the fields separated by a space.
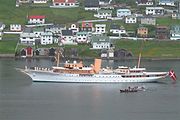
x=129 y=88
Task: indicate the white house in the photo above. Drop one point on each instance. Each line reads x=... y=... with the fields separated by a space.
x=103 y=14
x=148 y=20
x=39 y=1
x=115 y=29
x=55 y=29
x=107 y=53
x=122 y=30
x=65 y=3
x=1 y=34
x=23 y=1
x=82 y=37
x=28 y=38
x=145 y=2
x=175 y=15
x=46 y=38
x=74 y=28
x=130 y=19
x=100 y=28
x=167 y=2
x=100 y=42
x=36 y=19
x=67 y=37
x=15 y=27
x=154 y=11
x=2 y=26
x=123 y=12
x=105 y=2
x=175 y=32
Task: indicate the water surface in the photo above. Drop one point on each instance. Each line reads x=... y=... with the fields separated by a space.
x=22 y=99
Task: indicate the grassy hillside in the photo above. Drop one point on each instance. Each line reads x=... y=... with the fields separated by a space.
x=8 y=46
x=162 y=49
x=167 y=21
x=11 y=14
x=157 y=49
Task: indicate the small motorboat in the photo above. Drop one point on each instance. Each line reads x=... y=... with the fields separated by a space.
x=130 y=89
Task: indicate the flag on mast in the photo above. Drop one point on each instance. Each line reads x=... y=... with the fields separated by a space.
x=172 y=74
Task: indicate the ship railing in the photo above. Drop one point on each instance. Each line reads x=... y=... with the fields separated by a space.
x=41 y=69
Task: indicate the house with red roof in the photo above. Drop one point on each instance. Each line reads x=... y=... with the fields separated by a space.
x=87 y=27
x=36 y=19
x=65 y=3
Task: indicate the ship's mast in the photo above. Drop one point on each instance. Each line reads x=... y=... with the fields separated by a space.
x=139 y=59
x=58 y=55
x=57 y=59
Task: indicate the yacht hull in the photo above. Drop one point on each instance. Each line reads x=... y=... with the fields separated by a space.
x=50 y=76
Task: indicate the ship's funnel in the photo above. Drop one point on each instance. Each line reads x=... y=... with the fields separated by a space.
x=97 y=65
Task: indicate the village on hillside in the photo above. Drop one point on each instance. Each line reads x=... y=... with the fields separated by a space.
x=99 y=33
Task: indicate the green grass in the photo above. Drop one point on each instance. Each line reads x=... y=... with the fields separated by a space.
x=156 y=49
x=159 y=49
x=167 y=21
x=83 y=50
x=10 y=37
x=10 y=14
x=150 y=49
x=8 y=46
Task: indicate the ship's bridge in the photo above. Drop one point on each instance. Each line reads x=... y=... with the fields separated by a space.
x=137 y=70
x=73 y=65
x=122 y=70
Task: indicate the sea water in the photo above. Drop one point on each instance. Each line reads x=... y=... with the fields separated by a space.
x=22 y=99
